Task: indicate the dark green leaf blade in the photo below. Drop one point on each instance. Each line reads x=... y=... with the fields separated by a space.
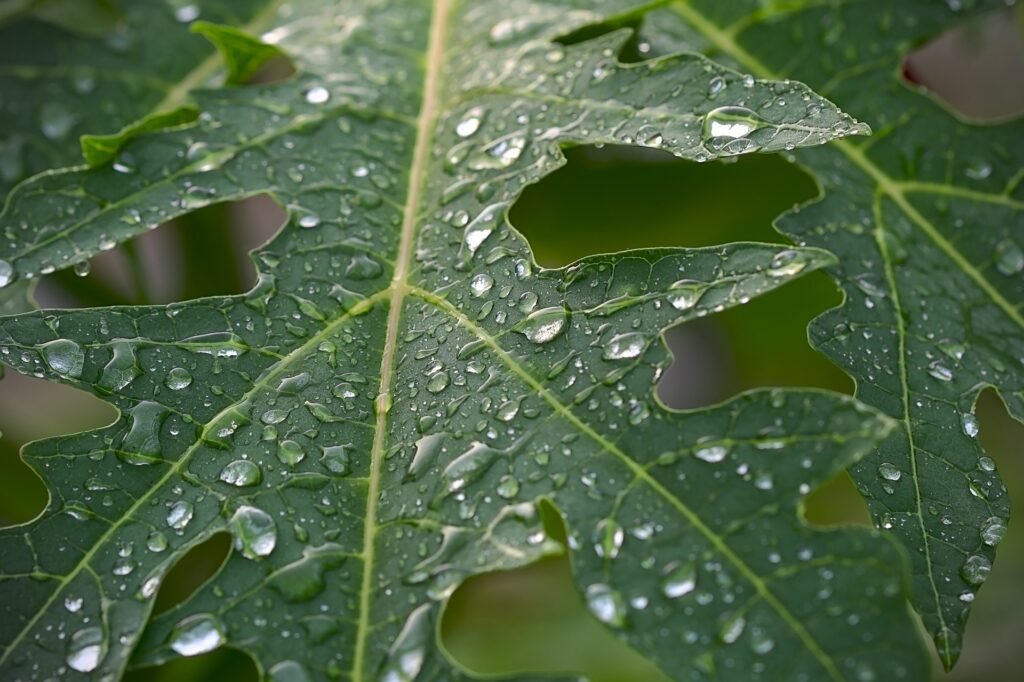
x=383 y=415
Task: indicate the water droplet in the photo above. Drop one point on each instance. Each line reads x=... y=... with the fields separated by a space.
x=969 y=423
x=680 y=581
x=82 y=268
x=685 y=293
x=608 y=538
x=180 y=514
x=317 y=95
x=470 y=123
x=976 y=569
x=993 y=532
x=122 y=368
x=501 y=153
x=187 y=13
x=481 y=284
x=508 y=487
x=178 y=378
x=64 y=356
x=156 y=542
x=289 y=671
x=197 y=634
x=731 y=122
x=56 y=120
x=309 y=221
x=468 y=466
x=73 y=604
x=787 y=263
x=337 y=459
x=716 y=85
x=712 y=454
x=409 y=650
x=940 y=371
x=255 y=532
x=1009 y=257
x=290 y=452
x=625 y=346
x=142 y=442
x=241 y=473
x=606 y=604
x=86 y=649
x=6 y=273
x=438 y=381
x=544 y=325
x=889 y=472
x=732 y=628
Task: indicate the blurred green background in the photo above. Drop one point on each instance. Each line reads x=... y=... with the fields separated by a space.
x=603 y=200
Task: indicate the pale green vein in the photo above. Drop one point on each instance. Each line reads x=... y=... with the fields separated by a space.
x=428 y=111
x=642 y=474
x=894 y=293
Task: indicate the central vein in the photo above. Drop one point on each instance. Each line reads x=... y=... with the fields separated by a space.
x=425 y=122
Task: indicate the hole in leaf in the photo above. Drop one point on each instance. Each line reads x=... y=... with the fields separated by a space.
x=197 y=566
x=273 y=70
x=837 y=502
x=993 y=637
x=617 y=198
x=27 y=412
x=222 y=664
x=533 y=619
x=975 y=68
x=202 y=253
x=631 y=50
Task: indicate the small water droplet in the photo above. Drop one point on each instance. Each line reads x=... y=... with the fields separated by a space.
x=976 y=569
x=409 y=650
x=317 y=95
x=969 y=422
x=787 y=263
x=993 y=532
x=470 y=123
x=712 y=454
x=1009 y=257
x=680 y=581
x=6 y=273
x=608 y=538
x=889 y=472
x=940 y=371
x=606 y=604
x=625 y=346
x=180 y=514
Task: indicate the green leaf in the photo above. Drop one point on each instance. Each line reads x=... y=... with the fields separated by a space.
x=927 y=221
x=74 y=67
x=405 y=396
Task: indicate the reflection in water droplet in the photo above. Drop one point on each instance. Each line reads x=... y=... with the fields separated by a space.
x=544 y=325
x=86 y=649
x=241 y=473
x=889 y=472
x=680 y=581
x=940 y=371
x=976 y=569
x=180 y=514
x=731 y=122
x=409 y=650
x=317 y=95
x=6 y=273
x=1009 y=257
x=993 y=532
x=197 y=634
x=606 y=604
x=685 y=293
x=64 y=356
x=608 y=538
x=178 y=378
x=254 y=531
x=787 y=263
x=969 y=422
x=122 y=368
x=625 y=346
x=712 y=454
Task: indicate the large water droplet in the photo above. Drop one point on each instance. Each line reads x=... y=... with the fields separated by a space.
x=731 y=122
x=142 y=442
x=976 y=569
x=625 y=346
x=86 y=649
x=255 y=532
x=289 y=671
x=409 y=650
x=787 y=263
x=197 y=634
x=180 y=514
x=889 y=472
x=969 y=422
x=712 y=454
x=6 y=273
x=685 y=293
x=64 y=356
x=241 y=473
x=122 y=368
x=178 y=378
x=993 y=532
x=543 y=325
x=606 y=604
x=608 y=538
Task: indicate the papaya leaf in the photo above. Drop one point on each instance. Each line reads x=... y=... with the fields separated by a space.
x=405 y=395
x=927 y=221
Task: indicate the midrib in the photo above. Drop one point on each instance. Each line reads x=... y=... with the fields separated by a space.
x=399 y=288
